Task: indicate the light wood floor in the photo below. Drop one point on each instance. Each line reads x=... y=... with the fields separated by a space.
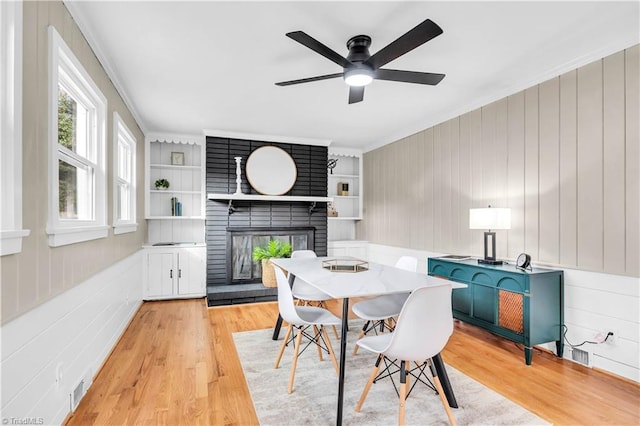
x=177 y=364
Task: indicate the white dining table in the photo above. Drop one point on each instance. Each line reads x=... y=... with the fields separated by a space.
x=377 y=279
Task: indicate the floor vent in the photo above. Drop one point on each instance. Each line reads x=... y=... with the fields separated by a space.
x=580 y=356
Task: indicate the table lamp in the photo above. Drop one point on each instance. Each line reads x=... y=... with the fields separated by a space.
x=490 y=219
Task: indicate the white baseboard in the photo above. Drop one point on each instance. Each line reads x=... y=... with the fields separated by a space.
x=593 y=302
x=47 y=351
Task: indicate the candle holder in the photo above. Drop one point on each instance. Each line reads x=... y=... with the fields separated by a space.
x=238 y=176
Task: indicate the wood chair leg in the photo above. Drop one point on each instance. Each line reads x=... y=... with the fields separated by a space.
x=443 y=398
x=318 y=340
x=356 y=347
x=284 y=344
x=360 y=336
x=296 y=351
x=404 y=384
x=335 y=332
x=330 y=348
x=390 y=324
x=372 y=377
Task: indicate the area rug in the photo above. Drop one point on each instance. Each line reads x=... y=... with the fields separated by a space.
x=314 y=398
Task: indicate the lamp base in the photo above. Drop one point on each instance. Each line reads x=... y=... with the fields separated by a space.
x=490 y=261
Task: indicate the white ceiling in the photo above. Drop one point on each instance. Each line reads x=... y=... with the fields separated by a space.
x=188 y=67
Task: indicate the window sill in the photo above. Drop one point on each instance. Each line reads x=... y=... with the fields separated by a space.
x=11 y=241
x=123 y=228
x=63 y=236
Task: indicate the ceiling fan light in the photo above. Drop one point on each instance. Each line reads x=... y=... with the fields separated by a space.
x=358 y=77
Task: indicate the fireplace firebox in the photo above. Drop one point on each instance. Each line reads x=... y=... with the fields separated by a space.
x=241 y=269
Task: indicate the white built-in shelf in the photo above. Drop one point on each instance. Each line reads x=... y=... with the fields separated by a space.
x=256 y=197
x=177 y=217
x=169 y=166
x=343 y=176
x=170 y=191
x=187 y=181
x=348 y=170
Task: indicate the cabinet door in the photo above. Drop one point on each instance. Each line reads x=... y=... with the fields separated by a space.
x=191 y=271
x=161 y=274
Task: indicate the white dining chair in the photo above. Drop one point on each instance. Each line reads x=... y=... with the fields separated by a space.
x=305 y=293
x=422 y=331
x=379 y=312
x=301 y=319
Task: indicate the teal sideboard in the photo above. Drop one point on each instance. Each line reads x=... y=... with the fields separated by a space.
x=525 y=306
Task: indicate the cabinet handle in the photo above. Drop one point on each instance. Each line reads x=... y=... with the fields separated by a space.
x=179 y=273
x=170 y=273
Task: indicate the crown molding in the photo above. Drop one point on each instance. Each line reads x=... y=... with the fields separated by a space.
x=92 y=40
x=267 y=138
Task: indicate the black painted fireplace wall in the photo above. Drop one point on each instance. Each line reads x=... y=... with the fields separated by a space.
x=311 y=163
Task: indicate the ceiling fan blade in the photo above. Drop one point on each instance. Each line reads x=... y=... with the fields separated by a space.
x=419 y=35
x=356 y=94
x=318 y=47
x=310 y=79
x=409 y=76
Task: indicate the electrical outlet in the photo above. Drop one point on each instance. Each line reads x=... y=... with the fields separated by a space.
x=606 y=336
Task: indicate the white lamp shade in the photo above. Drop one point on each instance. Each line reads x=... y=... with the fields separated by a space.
x=490 y=218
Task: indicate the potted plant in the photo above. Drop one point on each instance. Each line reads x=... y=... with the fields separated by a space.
x=275 y=248
x=162 y=184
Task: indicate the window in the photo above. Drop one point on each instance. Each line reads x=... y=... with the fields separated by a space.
x=124 y=184
x=11 y=232
x=77 y=184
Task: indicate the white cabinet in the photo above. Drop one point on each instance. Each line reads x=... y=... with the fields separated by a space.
x=181 y=162
x=172 y=272
x=345 y=184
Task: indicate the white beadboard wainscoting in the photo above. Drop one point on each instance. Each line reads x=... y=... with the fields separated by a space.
x=593 y=303
x=49 y=350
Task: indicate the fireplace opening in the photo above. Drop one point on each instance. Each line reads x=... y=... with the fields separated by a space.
x=241 y=269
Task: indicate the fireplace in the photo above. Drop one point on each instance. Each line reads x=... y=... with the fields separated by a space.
x=276 y=219
x=241 y=269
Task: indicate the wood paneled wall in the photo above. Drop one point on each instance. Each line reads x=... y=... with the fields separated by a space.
x=39 y=272
x=564 y=155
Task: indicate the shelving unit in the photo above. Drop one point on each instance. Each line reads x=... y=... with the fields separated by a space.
x=348 y=170
x=186 y=183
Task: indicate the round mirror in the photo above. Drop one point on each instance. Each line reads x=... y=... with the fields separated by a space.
x=271 y=170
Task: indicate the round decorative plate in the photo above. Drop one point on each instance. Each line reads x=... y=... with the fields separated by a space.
x=271 y=170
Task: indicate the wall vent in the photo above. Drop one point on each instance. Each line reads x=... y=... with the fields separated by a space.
x=77 y=395
x=81 y=389
x=580 y=356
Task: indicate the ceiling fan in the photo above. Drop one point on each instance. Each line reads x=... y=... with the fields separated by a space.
x=361 y=68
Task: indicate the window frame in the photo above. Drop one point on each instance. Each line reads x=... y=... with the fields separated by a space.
x=122 y=132
x=11 y=232
x=66 y=70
